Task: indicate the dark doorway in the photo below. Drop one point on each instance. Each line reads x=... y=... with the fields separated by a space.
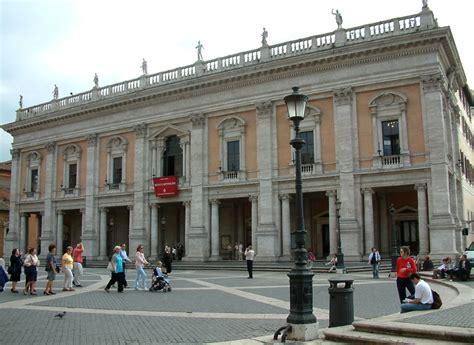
x=325 y=235
x=409 y=235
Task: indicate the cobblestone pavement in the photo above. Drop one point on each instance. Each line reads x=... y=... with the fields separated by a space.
x=462 y=316
x=204 y=306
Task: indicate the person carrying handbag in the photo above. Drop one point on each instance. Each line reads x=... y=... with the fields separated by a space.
x=31 y=271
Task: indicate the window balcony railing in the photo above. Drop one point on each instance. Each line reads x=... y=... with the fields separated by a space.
x=393 y=161
x=115 y=187
x=307 y=169
x=232 y=176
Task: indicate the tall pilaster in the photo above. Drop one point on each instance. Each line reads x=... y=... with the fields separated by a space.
x=187 y=224
x=48 y=218
x=384 y=238
x=442 y=227
x=59 y=233
x=369 y=220
x=198 y=247
x=285 y=226
x=267 y=235
x=214 y=229
x=344 y=124
x=137 y=229
x=331 y=194
x=424 y=239
x=254 y=222
x=154 y=231
x=23 y=238
x=13 y=237
x=103 y=233
x=90 y=234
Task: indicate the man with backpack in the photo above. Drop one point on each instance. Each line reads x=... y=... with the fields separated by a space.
x=423 y=296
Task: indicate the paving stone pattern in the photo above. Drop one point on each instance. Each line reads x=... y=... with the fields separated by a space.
x=462 y=316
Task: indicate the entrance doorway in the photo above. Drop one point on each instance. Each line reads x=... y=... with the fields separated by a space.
x=118 y=219
x=72 y=228
x=409 y=235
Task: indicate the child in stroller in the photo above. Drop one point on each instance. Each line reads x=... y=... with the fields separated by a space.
x=159 y=281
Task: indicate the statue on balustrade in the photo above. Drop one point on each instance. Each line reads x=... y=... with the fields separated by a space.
x=21 y=102
x=425 y=3
x=96 y=81
x=144 y=67
x=199 y=48
x=55 y=92
x=264 y=37
x=338 y=18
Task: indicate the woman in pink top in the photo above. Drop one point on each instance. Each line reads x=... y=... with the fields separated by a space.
x=140 y=261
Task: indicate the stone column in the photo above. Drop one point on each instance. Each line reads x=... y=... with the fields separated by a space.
x=154 y=231
x=153 y=159
x=331 y=194
x=23 y=237
x=267 y=234
x=198 y=247
x=137 y=224
x=215 y=230
x=345 y=149
x=187 y=225
x=49 y=187
x=369 y=219
x=254 y=200
x=130 y=225
x=160 y=148
x=60 y=232
x=423 y=234
x=13 y=237
x=103 y=233
x=90 y=235
x=442 y=227
x=384 y=231
x=285 y=226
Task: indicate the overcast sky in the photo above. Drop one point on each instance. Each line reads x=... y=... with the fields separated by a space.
x=64 y=42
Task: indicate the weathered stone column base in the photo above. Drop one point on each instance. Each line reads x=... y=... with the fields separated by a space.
x=214 y=258
x=91 y=249
x=304 y=332
x=45 y=241
x=198 y=245
x=266 y=242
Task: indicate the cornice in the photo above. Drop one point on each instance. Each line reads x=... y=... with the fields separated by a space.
x=291 y=67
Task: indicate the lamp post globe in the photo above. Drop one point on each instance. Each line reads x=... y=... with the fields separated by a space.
x=302 y=322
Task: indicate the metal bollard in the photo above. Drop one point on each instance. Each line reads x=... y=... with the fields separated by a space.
x=341 y=301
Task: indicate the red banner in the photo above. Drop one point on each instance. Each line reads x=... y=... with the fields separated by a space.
x=165 y=186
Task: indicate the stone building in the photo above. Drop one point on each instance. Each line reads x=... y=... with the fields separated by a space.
x=388 y=132
x=5 y=170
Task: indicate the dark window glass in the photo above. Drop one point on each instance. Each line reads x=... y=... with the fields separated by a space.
x=233 y=155
x=173 y=157
x=34 y=180
x=391 y=138
x=307 y=151
x=117 y=170
x=72 y=178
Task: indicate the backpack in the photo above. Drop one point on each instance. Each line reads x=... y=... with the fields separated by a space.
x=437 y=303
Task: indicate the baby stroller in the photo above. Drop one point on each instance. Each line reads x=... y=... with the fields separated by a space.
x=159 y=281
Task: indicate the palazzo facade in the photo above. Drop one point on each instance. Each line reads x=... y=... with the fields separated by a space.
x=388 y=132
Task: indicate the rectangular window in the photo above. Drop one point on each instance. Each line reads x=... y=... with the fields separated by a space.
x=117 y=170
x=233 y=155
x=72 y=176
x=391 y=138
x=307 y=151
x=34 y=180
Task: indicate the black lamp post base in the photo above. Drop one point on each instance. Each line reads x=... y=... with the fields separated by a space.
x=303 y=332
x=393 y=271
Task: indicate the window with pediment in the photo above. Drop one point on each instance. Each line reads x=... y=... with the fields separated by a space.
x=117 y=148
x=310 y=132
x=32 y=185
x=72 y=159
x=172 y=157
x=232 y=165
x=389 y=125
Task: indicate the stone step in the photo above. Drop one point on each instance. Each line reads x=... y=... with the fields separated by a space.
x=348 y=334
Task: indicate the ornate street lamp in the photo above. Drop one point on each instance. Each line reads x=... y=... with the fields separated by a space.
x=393 y=271
x=302 y=324
x=339 y=255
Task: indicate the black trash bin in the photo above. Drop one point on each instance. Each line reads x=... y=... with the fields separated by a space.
x=341 y=301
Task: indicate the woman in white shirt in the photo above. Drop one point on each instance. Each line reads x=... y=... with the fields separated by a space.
x=140 y=261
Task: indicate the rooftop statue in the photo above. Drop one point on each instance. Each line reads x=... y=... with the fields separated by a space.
x=20 y=102
x=144 y=67
x=199 y=48
x=425 y=3
x=264 y=37
x=338 y=18
x=55 y=92
x=96 y=81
